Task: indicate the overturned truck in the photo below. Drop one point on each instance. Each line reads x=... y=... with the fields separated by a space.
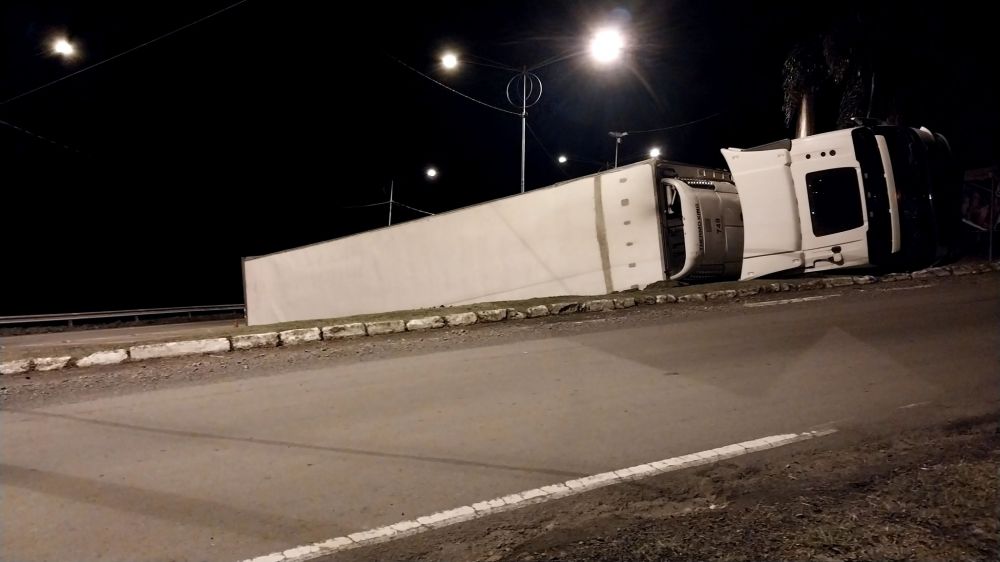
x=881 y=195
x=868 y=195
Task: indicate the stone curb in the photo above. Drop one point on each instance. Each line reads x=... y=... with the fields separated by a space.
x=428 y=323
x=340 y=331
x=299 y=336
x=254 y=341
x=178 y=348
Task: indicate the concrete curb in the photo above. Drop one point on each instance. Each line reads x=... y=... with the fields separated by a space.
x=564 y=308
x=255 y=341
x=537 y=311
x=51 y=363
x=599 y=305
x=375 y=328
x=299 y=336
x=428 y=323
x=495 y=315
x=627 y=302
x=339 y=331
x=385 y=327
x=111 y=357
x=515 y=314
x=178 y=348
x=15 y=367
x=461 y=319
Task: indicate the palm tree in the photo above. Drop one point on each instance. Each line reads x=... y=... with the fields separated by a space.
x=805 y=75
x=834 y=69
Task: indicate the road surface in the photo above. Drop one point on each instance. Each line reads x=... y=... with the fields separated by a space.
x=231 y=469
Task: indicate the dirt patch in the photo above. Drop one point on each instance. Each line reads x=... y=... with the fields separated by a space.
x=929 y=494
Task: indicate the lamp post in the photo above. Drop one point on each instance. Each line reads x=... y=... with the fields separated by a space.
x=617 y=135
x=527 y=81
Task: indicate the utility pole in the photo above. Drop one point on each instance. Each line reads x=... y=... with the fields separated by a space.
x=392 y=185
x=524 y=118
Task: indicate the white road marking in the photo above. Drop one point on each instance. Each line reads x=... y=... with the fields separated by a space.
x=790 y=301
x=924 y=286
x=914 y=405
x=529 y=497
x=591 y=321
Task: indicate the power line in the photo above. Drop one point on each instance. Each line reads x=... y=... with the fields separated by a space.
x=123 y=53
x=368 y=205
x=677 y=126
x=555 y=59
x=393 y=202
x=447 y=87
x=39 y=137
x=412 y=208
x=493 y=63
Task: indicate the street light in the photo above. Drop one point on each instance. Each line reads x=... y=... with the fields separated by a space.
x=432 y=172
x=567 y=160
x=449 y=60
x=654 y=153
x=62 y=47
x=607 y=45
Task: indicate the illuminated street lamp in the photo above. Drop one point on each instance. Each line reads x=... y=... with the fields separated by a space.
x=574 y=160
x=607 y=45
x=431 y=172
x=449 y=60
x=654 y=153
x=62 y=47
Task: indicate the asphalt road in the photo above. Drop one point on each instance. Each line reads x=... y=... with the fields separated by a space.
x=239 y=468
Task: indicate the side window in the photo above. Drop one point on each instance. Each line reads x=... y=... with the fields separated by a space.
x=834 y=200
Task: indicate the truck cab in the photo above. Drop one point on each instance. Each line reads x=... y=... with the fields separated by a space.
x=834 y=200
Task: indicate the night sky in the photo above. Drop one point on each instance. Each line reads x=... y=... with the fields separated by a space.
x=265 y=127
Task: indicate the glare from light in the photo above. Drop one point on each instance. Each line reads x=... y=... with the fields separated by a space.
x=607 y=45
x=562 y=159
x=63 y=47
x=432 y=172
x=449 y=61
x=654 y=153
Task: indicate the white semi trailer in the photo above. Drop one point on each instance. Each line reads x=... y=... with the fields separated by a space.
x=606 y=232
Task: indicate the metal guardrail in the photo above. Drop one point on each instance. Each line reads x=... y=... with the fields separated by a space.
x=137 y=313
